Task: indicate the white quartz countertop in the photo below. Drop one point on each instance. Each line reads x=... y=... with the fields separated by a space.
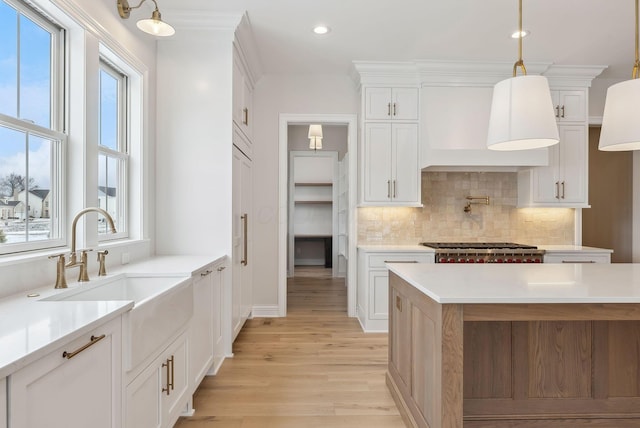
x=395 y=248
x=524 y=283
x=31 y=328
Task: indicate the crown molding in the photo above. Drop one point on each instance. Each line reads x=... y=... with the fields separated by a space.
x=201 y=20
x=245 y=44
x=573 y=75
x=470 y=73
x=385 y=72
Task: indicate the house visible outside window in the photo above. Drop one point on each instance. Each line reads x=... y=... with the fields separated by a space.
x=113 y=157
x=31 y=129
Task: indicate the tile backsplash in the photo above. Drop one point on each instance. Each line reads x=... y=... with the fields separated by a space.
x=443 y=218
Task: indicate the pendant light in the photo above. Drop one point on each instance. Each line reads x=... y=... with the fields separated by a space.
x=315 y=137
x=620 y=122
x=522 y=115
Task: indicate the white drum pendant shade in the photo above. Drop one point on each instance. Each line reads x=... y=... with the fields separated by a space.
x=621 y=119
x=522 y=115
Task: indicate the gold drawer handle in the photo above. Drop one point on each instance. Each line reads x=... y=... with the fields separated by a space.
x=401 y=261
x=578 y=261
x=94 y=340
x=170 y=373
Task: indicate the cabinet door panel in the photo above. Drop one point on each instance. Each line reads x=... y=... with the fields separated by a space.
x=573 y=107
x=377 y=103
x=573 y=164
x=400 y=336
x=83 y=391
x=201 y=333
x=3 y=403
x=405 y=104
x=405 y=163
x=378 y=295
x=377 y=162
x=238 y=91
x=143 y=400
x=174 y=402
x=546 y=181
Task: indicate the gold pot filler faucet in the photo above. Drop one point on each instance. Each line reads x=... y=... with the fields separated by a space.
x=61 y=281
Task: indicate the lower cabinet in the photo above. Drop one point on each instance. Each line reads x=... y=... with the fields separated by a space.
x=157 y=396
x=77 y=385
x=577 y=257
x=373 y=284
x=206 y=350
x=3 y=403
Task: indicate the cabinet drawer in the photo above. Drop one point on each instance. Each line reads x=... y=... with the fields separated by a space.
x=3 y=403
x=577 y=258
x=377 y=261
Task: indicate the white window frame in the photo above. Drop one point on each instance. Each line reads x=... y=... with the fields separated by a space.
x=121 y=154
x=56 y=134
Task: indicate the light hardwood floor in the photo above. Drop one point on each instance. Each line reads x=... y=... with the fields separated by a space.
x=313 y=369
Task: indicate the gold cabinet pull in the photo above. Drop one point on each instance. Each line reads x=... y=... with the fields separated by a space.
x=401 y=261
x=245 y=119
x=563 y=190
x=557 y=190
x=394 y=188
x=399 y=303
x=245 y=222
x=169 y=366
x=395 y=109
x=221 y=268
x=205 y=273
x=562 y=115
x=93 y=341
x=578 y=261
x=558 y=111
x=388 y=109
x=388 y=189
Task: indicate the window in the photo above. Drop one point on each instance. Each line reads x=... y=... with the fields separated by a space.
x=113 y=155
x=31 y=137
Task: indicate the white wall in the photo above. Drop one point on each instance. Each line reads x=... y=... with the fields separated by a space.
x=194 y=152
x=276 y=94
x=89 y=23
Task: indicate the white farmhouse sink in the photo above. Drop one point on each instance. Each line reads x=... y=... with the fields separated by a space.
x=162 y=306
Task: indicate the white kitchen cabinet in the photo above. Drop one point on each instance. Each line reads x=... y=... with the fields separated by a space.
x=76 y=386
x=242 y=97
x=570 y=105
x=157 y=396
x=391 y=104
x=205 y=333
x=391 y=173
x=575 y=254
x=564 y=181
x=3 y=403
x=242 y=259
x=373 y=284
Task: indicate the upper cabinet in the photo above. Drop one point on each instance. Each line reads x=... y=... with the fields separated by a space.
x=570 y=105
x=391 y=104
x=390 y=164
x=242 y=102
x=389 y=149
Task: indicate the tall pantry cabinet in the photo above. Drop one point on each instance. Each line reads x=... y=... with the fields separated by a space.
x=203 y=130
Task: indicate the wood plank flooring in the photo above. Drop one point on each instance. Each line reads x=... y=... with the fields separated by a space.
x=313 y=369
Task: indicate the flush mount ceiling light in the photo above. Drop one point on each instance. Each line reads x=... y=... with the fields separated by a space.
x=520 y=34
x=321 y=29
x=315 y=137
x=154 y=25
x=522 y=115
x=620 y=125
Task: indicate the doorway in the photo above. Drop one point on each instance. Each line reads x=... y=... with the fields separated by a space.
x=343 y=248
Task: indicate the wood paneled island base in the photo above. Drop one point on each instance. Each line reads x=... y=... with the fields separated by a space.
x=513 y=365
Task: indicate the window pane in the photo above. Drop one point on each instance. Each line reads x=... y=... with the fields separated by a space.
x=8 y=60
x=12 y=182
x=108 y=110
x=35 y=73
x=108 y=177
x=39 y=195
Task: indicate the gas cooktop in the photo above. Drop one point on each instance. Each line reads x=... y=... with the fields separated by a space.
x=478 y=246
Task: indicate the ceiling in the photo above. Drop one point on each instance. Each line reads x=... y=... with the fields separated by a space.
x=566 y=32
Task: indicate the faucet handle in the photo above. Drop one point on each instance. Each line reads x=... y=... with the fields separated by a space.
x=102 y=255
x=61 y=281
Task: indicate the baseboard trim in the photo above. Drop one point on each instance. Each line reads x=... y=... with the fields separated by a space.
x=265 y=311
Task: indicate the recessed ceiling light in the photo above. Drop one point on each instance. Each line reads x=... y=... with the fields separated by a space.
x=518 y=34
x=321 y=29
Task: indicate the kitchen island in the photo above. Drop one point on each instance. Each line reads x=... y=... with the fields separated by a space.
x=531 y=346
